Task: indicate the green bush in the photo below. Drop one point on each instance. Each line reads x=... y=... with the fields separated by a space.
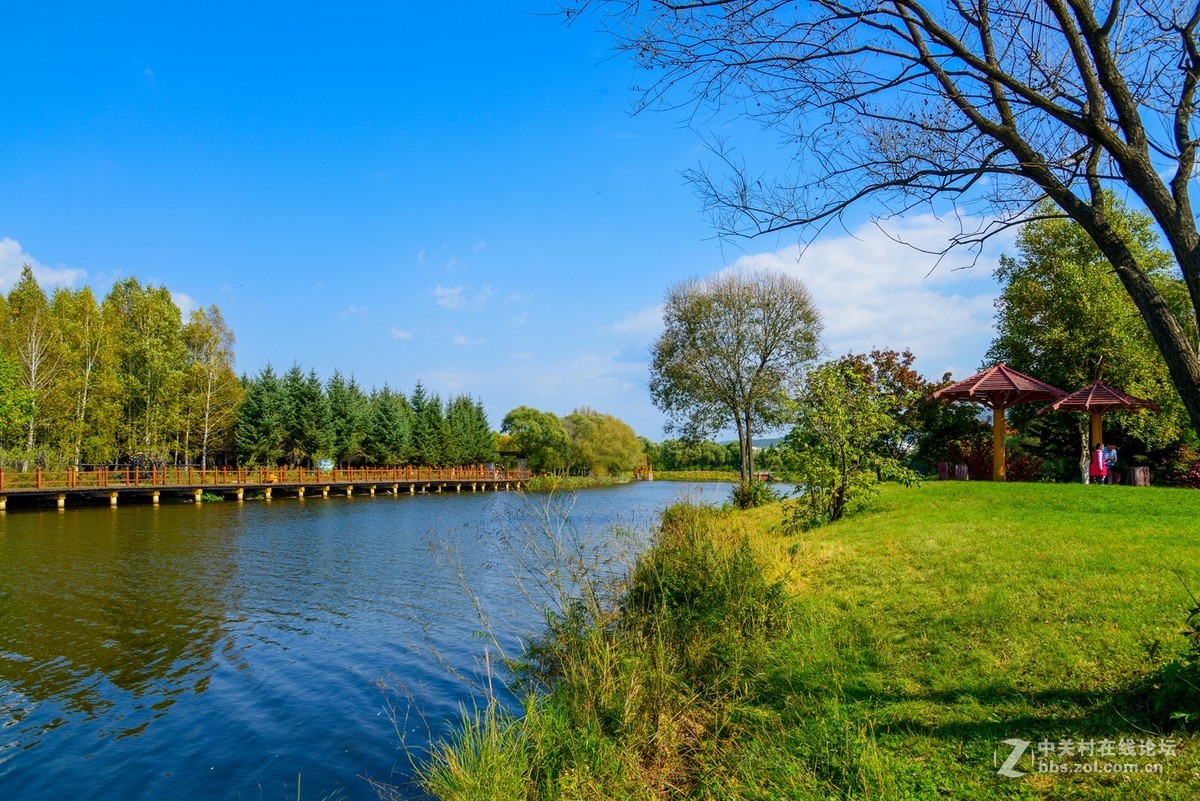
x=705 y=605
x=752 y=494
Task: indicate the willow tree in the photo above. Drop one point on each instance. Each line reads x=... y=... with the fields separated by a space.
x=981 y=104
x=734 y=346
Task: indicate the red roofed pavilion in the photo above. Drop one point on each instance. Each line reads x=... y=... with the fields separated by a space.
x=998 y=388
x=1096 y=399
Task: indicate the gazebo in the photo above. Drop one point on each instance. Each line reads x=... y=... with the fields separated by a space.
x=997 y=388
x=1096 y=399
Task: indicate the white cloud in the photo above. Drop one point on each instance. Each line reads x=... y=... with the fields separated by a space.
x=399 y=333
x=519 y=320
x=449 y=297
x=478 y=246
x=185 y=303
x=876 y=292
x=13 y=258
x=645 y=323
x=459 y=339
x=353 y=311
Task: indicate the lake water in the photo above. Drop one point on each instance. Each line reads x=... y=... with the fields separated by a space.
x=235 y=651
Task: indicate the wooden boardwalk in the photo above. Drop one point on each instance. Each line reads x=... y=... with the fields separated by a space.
x=34 y=488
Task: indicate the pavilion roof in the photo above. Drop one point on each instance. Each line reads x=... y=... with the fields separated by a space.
x=999 y=386
x=1097 y=397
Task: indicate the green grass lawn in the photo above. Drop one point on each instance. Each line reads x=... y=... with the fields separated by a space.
x=911 y=641
x=952 y=616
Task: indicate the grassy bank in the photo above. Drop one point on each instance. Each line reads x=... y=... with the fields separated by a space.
x=731 y=476
x=572 y=483
x=888 y=656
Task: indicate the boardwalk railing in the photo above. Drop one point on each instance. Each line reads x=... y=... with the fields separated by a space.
x=194 y=477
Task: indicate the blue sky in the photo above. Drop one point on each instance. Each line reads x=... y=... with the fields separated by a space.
x=452 y=193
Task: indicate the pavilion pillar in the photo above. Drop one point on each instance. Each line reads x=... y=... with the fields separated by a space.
x=999 y=429
x=1097 y=429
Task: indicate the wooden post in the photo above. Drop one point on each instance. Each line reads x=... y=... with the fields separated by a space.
x=999 y=429
x=1097 y=430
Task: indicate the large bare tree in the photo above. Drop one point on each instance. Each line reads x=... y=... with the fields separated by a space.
x=734 y=346
x=960 y=104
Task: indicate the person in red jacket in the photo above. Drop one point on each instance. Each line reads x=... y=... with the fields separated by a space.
x=1097 y=469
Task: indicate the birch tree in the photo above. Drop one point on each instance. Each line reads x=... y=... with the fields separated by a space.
x=213 y=389
x=35 y=343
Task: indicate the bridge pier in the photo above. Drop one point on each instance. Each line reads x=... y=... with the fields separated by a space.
x=61 y=500
x=372 y=490
x=198 y=496
x=240 y=494
x=153 y=498
x=324 y=492
x=349 y=490
x=300 y=493
x=112 y=499
x=267 y=493
x=395 y=489
x=412 y=489
x=3 y=503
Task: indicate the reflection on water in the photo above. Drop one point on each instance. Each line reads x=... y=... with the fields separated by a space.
x=225 y=650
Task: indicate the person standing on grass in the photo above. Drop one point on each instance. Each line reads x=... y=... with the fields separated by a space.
x=1110 y=463
x=1097 y=469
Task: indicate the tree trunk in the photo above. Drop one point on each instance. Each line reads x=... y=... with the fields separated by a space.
x=749 y=449
x=1173 y=343
x=743 y=435
x=1085 y=457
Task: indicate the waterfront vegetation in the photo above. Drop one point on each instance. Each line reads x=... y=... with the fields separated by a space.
x=697 y=475
x=884 y=656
